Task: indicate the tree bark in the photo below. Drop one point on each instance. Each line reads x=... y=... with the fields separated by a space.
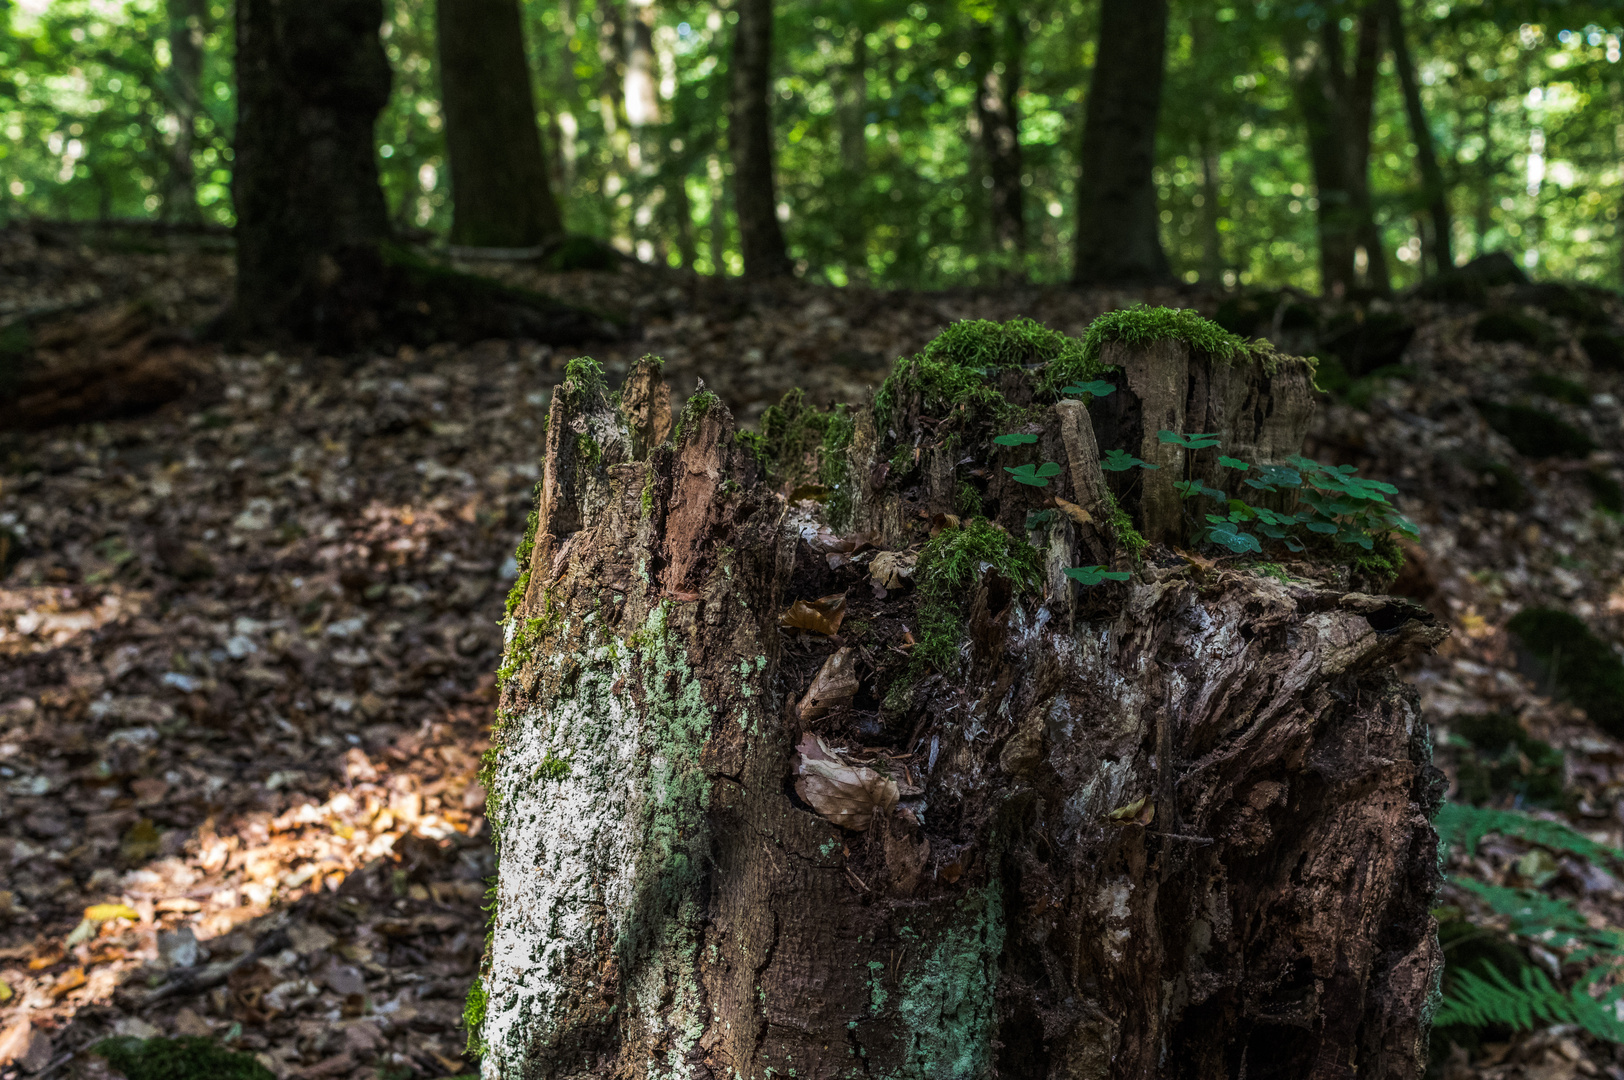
x=853 y=120
x=1440 y=240
x=750 y=137
x=997 y=71
x=1118 y=227
x=187 y=22
x=315 y=261
x=1336 y=106
x=1173 y=827
x=501 y=194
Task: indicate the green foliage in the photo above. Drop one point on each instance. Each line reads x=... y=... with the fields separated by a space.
x=187 y=1058
x=1459 y=824
x=1534 y=432
x=1015 y=439
x=1188 y=442
x=1122 y=461
x=473 y=1017
x=1140 y=325
x=948 y=567
x=1533 y=1001
x=522 y=553
x=957 y=369
x=1089 y=390
x=1034 y=475
x=1122 y=529
x=552 y=767
x=1580 y=665
x=1093 y=575
x=583 y=376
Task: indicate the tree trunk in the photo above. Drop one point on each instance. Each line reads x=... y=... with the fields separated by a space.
x=997 y=72
x=1439 y=240
x=1336 y=108
x=751 y=139
x=1118 y=227
x=501 y=196
x=187 y=22
x=764 y=806
x=314 y=259
x=853 y=120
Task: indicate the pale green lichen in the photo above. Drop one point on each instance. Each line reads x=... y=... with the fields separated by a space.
x=948 y=1008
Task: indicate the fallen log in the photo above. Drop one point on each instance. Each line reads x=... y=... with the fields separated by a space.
x=893 y=742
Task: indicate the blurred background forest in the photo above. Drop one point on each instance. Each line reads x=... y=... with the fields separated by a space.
x=125 y=109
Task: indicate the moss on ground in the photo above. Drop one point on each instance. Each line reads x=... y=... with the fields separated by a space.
x=1497 y=758
x=179 y=1059
x=1581 y=666
x=949 y=565
x=1557 y=388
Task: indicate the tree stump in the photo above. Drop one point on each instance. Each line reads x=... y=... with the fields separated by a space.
x=812 y=761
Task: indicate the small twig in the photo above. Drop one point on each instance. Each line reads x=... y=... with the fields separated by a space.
x=189 y=983
x=1200 y=840
x=857 y=879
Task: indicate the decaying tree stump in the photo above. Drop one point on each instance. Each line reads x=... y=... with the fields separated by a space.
x=1176 y=826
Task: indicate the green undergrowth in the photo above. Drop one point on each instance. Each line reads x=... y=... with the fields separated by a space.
x=187 y=1058
x=1496 y=759
x=521 y=554
x=695 y=409
x=1570 y=658
x=582 y=377
x=949 y=565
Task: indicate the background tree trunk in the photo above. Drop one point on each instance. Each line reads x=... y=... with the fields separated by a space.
x=997 y=72
x=751 y=139
x=187 y=23
x=1174 y=827
x=315 y=262
x=1118 y=230
x=1440 y=239
x=499 y=185
x=1336 y=107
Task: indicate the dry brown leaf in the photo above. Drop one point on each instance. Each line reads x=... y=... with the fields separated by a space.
x=69 y=980
x=890 y=569
x=821 y=616
x=846 y=795
x=1199 y=562
x=1075 y=512
x=834 y=685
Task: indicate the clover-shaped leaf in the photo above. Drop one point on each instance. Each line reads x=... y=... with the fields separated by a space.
x=1093 y=575
x=1097 y=388
x=1122 y=461
x=1189 y=442
x=1233 y=463
x=1036 y=519
x=1226 y=535
x=1189 y=489
x=1015 y=438
x=1035 y=475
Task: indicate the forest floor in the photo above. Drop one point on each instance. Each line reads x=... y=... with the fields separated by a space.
x=247 y=640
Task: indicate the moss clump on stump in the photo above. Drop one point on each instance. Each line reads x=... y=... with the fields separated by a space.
x=178 y=1059
x=1583 y=667
x=1141 y=325
x=952 y=562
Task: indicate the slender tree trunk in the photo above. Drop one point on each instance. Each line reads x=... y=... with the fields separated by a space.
x=642 y=78
x=1175 y=827
x=501 y=195
x=1118 y=227
x=1212 y=239
x=1439 y=239
x=997 y=71
x=751 y=139
x=853 y=120
x=1361 y=103
x=187 y=22
x=1336 y=106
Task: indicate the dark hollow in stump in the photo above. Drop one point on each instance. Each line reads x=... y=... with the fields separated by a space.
x=1176 y=826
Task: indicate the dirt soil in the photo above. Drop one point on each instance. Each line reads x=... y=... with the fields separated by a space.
x=247 y=640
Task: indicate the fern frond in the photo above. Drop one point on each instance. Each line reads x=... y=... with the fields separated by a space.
x=1493 y=999
x=1465 y=825
x=1534 y=915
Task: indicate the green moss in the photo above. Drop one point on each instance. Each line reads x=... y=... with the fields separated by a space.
x=582 y=376
x=800 y=442
x=1122 y=529
x=1140 y=325
x=521 y=554
x=552 y=767
x=949 y=565
x=588 y=450
x=948 y=1006
x=1495 y=758
x=957 y=370
x=178 y=1059
x=515 y=595
x=1534 y=433
x=967 y=500
x=1583 y=668
x=648 y=495
x=1383 y=562
x=473 y=1017
x=1558 y=389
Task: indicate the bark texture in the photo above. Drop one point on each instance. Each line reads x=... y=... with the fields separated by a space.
x=1439 y=240
x=750 y=137
x=997 y=72
x=499 y=186
x=1176 y=827
x=1118 y=230
x=188 y=22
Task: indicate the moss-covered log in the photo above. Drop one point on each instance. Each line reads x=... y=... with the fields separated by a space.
x=812 y=760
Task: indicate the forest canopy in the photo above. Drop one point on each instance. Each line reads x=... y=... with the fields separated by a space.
x=125 y=109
